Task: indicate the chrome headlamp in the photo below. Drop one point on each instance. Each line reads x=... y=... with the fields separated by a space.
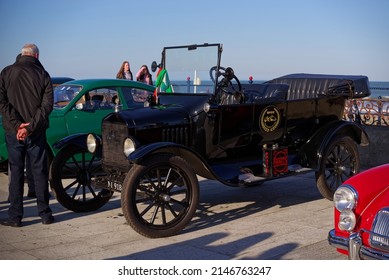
x=345 y=201
x=129 y=146
x=345 y=197
x=207 y=107
x=92 y=143
x=347 y=220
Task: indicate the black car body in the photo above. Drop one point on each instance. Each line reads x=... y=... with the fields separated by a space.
x=220 y=129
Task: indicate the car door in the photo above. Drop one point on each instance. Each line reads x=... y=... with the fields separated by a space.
x=89 y=110
x=236 y=124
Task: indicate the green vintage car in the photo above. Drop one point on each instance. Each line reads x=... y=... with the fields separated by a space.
x=80 y=105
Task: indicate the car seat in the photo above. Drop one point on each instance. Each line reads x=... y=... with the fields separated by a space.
x=96 y=101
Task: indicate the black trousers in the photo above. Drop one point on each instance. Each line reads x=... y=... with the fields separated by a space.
x=35 y=147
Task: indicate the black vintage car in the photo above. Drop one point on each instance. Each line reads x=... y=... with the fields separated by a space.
x=203 y=121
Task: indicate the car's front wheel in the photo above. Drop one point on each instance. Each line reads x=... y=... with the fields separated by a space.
x=339 y=162
x=72 y=176
x=160 y=195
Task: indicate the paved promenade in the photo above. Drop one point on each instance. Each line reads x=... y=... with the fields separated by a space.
x=282 y=219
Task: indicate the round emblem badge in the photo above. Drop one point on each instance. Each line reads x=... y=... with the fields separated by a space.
x=270 y=119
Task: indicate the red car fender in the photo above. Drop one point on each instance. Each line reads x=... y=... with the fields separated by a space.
x=372 y=187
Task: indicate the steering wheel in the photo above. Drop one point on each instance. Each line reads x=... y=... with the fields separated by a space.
x=225 y=84
x=225 y=87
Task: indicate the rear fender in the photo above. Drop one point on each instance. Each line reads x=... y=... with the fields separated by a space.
x=312 y=151
x=198 y=164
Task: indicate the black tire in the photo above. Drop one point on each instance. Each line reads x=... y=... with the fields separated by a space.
x=72 y=175
x=160 y=196
x=340 y=161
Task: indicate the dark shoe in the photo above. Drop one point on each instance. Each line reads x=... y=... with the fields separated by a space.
x=31 y=194
x=11 y=223
x=47 y=221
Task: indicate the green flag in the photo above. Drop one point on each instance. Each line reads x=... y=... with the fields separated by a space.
x=163 y=82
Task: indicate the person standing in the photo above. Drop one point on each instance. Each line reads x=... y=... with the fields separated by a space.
x=26 y=101
x=144 y=75
x=30 y=179
x=124 y=71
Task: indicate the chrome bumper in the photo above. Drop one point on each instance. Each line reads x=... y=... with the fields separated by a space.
x=353 y=244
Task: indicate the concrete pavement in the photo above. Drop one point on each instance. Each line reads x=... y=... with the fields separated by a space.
x=282 y=219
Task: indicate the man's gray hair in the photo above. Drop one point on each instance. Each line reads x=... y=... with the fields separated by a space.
x=30 y=49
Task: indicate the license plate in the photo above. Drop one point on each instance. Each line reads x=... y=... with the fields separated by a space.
x=114 y=183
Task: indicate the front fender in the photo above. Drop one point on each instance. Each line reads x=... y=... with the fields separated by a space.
x=75 y=139
x=312 y=151
x=197 y=162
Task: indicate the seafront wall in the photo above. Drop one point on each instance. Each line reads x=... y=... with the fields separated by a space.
x=373 y=115
x=377 y=152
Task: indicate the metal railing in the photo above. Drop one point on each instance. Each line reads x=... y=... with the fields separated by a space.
x=367 y=111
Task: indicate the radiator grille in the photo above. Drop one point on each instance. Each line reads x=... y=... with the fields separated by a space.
x=380 y=238
x=176 y=134
x=113 y=135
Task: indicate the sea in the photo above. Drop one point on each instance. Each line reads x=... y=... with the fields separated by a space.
x=379 y=89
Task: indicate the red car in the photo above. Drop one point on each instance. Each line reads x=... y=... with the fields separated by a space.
x=362 y=215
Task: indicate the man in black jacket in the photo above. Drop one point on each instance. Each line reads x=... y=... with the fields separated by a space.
x=26 y=101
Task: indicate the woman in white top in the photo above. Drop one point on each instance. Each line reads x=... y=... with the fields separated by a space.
x=124 y=71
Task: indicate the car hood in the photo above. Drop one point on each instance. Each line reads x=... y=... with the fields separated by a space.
x=370 y=183
x=169 y=113
x=156 y=116
x=366 y=218
x=372 y=187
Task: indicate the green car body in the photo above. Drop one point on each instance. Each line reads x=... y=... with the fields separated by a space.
x=80 y=106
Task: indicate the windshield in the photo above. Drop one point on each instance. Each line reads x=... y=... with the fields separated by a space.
x=63 y=94
x=189 y=67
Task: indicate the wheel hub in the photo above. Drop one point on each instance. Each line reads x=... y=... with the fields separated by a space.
x=164 y=197
x=83 y=177
x=339 y=168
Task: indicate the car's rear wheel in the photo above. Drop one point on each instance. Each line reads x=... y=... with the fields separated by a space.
x=160 y=195
x=72 y=175
x=340 y=161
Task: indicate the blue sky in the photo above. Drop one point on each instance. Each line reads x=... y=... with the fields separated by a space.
x=265 y=39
